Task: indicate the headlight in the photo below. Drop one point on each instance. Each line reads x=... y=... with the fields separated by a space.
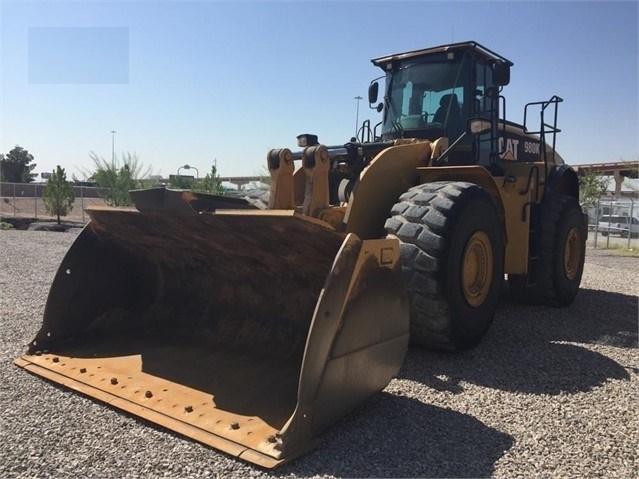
x=478 y=126
x=306 y=139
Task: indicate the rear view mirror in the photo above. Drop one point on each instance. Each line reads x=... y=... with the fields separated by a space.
x=373 y=91
x=501 y=74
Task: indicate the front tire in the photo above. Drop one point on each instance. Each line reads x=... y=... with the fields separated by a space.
x=452 y=260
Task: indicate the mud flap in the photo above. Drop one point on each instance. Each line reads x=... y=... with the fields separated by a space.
x=249 y=331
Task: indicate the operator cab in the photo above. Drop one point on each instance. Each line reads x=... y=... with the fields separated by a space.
x=433 y=92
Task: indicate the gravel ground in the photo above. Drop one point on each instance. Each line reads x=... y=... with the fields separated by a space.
x=549 y=393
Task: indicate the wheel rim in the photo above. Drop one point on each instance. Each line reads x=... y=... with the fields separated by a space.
x=572 y=254
x=477 y=269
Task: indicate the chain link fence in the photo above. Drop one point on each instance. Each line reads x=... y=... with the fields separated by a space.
x=24 y=200
x=614 y=223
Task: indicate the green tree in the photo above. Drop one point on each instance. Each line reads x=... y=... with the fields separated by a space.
x=181 y=182
x=633 y=166
x=15 y=167
x=211 y=183
x=58 y=194
x=591 y=187
x=118 y=180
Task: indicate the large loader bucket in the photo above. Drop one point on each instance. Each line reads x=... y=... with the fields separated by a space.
x=250 y=331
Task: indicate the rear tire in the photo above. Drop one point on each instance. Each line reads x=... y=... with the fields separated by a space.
x=452 y=261
x=561 y=256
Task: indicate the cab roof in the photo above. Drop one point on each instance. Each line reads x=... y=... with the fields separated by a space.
x=477 y=49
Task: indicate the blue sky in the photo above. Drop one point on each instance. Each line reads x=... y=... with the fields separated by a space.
x=191 y=82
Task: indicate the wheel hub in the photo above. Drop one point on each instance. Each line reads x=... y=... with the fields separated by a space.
x=572 y=254
x=477 y=268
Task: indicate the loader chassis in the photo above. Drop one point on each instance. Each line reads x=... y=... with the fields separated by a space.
x=430 y=99
x=252 y=330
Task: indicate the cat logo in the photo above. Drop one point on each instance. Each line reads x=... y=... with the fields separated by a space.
x=510 y=150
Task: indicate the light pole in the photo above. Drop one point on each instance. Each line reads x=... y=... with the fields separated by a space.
x=358 y=98
x=112 y=145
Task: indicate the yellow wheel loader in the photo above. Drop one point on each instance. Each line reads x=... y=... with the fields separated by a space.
x=252 y=330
